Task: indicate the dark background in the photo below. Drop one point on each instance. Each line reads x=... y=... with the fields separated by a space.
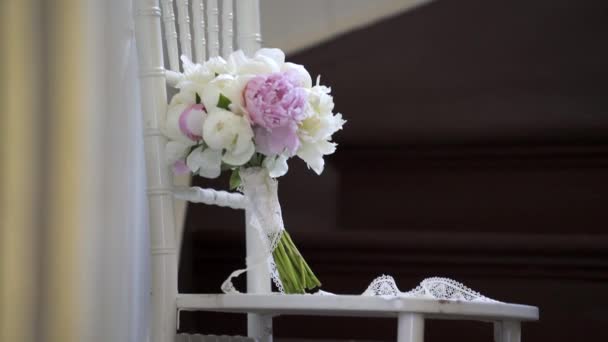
x=476 y=148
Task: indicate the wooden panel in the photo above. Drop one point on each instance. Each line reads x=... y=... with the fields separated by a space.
x=472 y=71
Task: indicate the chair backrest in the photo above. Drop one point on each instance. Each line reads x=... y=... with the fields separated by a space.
x=209 y=33
x=206 y=29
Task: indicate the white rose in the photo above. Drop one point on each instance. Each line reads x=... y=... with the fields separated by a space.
x=231 y=133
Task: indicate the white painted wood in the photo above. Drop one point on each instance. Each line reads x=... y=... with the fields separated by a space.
x=248 y=36
x=355 y=305
x=213 y=29
x=198 y=28
x=227 y=27
x=183 y=19
x=170 y=34
x=259 y=326
x=410 y=327
x=249 y=39
x=510 y=331
x=159 y=178
x=211 y=197
x=498 y=331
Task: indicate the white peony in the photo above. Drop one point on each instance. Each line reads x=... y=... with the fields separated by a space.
x=228 y=85
x=316 y=130
x=267 y=61
x=230 y=133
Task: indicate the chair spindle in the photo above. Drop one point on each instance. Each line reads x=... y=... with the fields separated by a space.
x=227 y=27
x=213 y=29
x=170 y=34
x=183 y=20
x=198 y=24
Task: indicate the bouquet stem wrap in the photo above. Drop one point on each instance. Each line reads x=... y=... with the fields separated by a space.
x=287 y=267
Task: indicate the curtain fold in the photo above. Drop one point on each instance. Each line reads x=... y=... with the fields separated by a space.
x=125 y=251
x=74 y=242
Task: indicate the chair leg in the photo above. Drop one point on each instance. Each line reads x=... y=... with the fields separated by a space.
x=507 y=331
x=410 y=328
x=259 y=327
x=498 y=331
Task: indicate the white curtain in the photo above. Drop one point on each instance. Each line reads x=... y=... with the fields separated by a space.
x=73 y=233
x=124 y=239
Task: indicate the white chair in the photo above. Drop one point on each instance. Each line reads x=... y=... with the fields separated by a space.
x=201 y=38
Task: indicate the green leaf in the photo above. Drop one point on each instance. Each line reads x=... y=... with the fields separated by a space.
x=256 y=160
x=235 y=179
x=198 y=99
x=223 y=102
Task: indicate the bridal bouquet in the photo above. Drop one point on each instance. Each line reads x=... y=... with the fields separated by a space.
x=248 y=116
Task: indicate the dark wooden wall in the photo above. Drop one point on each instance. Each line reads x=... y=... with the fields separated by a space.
x=476 y=148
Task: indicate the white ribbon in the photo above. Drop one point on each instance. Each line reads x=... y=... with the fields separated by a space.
x=263 y=212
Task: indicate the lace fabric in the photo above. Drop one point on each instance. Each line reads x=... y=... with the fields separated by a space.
x=263 y=212
x=432 y=288
x=264 y=215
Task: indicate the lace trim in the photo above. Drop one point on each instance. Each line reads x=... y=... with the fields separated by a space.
x=433 y=288
x=264 y=214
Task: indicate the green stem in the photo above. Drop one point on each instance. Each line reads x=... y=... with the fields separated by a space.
x=293 y=270
x=289 y=269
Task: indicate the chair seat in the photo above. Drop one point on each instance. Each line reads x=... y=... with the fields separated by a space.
x=355 y=305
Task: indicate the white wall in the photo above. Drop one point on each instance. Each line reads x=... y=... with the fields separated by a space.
x=296 y=24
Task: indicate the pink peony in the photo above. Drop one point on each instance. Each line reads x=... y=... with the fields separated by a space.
x=276 y=104
x=279 y=140
x=275 y=100
x=191 y=121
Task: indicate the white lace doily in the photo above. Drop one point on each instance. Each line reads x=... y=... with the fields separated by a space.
x=432 y=288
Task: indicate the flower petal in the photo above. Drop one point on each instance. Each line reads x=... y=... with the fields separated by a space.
x=206 y=162
x=279 y=140
x=180 y=167
x=277 y=166
x=238 y=159
x=313 y=157
x=217 y=129
x=276 y=55
x=175 y=150
x=172 y=126
x=301 y=73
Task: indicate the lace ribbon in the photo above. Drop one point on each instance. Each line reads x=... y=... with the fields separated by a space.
x=263 y=212
x=432 y=288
